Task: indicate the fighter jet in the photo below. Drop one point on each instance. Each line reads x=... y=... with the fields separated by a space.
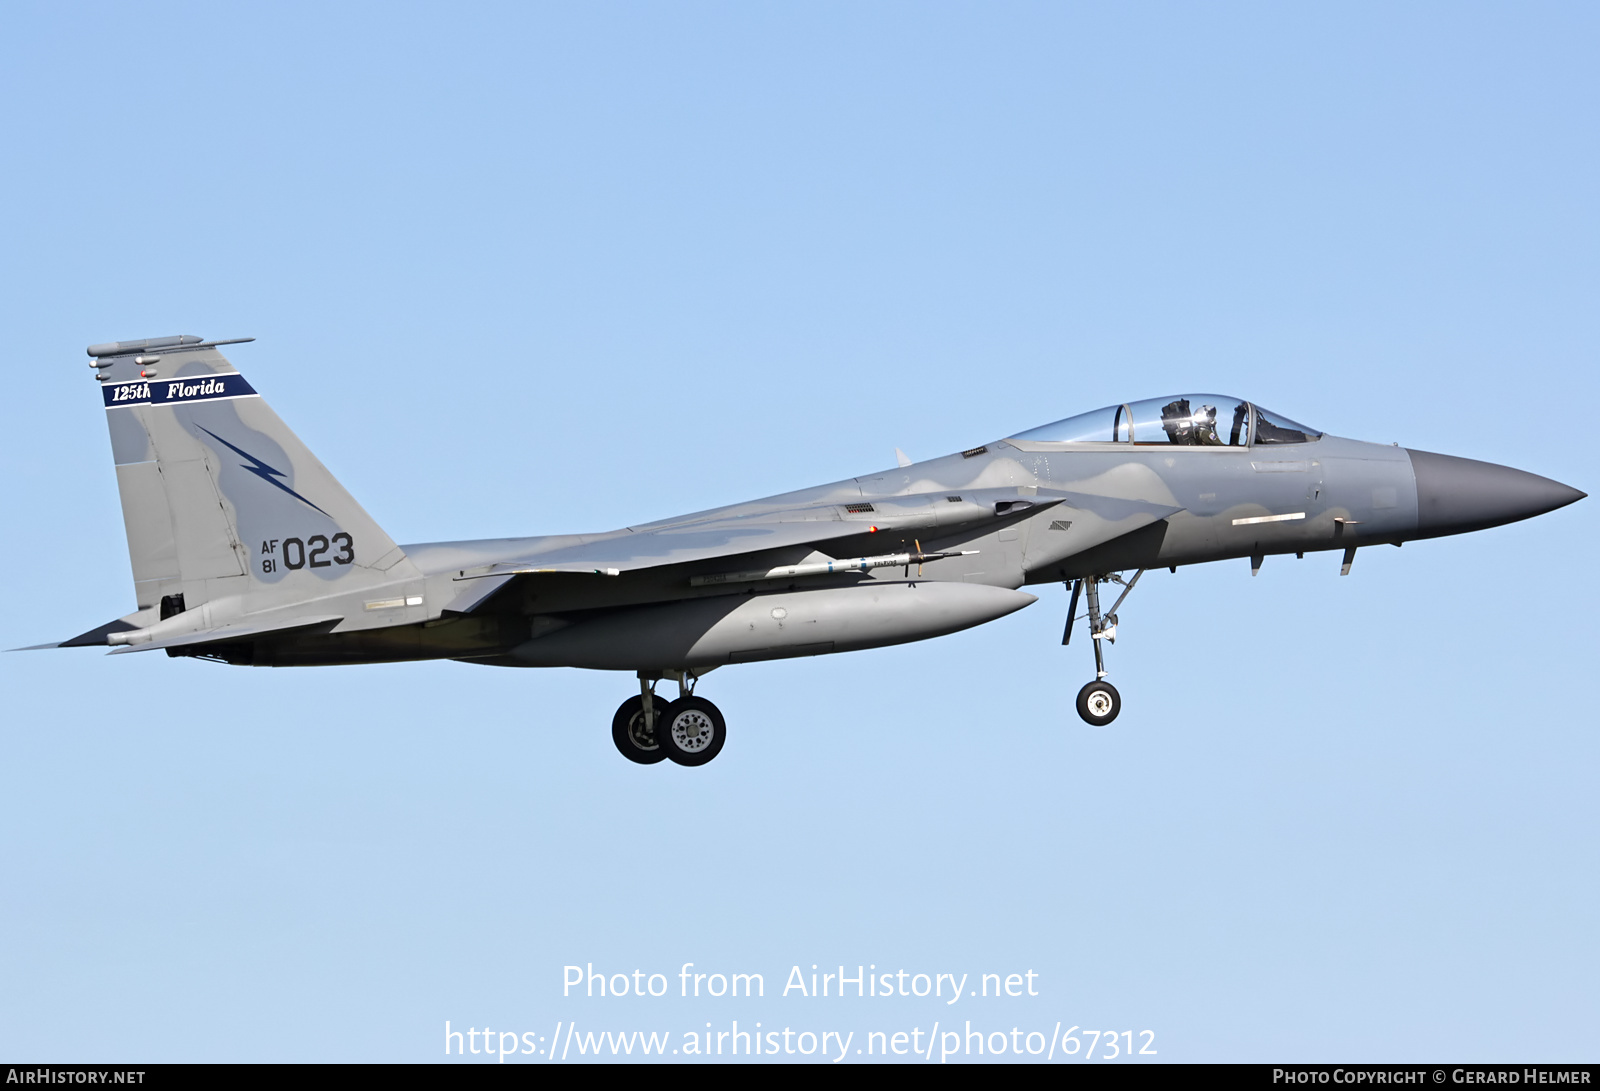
x=245 y=550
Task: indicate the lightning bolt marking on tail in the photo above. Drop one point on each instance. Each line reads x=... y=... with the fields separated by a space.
x=261 y=469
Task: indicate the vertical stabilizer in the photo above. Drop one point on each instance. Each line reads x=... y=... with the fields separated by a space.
x=220 y=499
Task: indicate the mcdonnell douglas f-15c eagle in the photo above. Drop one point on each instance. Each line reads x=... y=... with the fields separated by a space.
x=246 y=550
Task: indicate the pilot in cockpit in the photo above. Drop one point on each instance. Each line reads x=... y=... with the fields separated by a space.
x=1190 y=429
x=1175 y=422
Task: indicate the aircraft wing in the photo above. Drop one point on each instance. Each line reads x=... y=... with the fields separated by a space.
x=1096 y=519
x=925 y=516
x=655 y=548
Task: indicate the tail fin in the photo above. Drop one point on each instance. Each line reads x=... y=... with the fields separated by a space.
x=219 y=497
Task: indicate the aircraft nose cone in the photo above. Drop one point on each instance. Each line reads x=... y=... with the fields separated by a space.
x=1461 y=494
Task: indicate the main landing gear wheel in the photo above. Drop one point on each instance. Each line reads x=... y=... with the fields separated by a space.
x=692 y=732
x=1098 y=703
x=634 y=740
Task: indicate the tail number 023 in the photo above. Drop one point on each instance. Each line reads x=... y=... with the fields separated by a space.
x=311 y=552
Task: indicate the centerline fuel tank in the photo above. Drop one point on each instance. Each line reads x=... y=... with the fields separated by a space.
x=747 y=628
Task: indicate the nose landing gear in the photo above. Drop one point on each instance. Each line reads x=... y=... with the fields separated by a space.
x=1098 y=702
x=689 y=731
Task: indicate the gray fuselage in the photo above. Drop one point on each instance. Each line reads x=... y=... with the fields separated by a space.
x=1024 y=512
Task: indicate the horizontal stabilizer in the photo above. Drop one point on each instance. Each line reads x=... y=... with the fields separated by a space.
x=95 y=637
x=234 y=633
x=99 y=635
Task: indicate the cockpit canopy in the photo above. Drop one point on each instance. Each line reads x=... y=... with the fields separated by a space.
x=1192 y=420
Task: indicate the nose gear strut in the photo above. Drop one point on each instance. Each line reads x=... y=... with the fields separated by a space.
x=1098 y=702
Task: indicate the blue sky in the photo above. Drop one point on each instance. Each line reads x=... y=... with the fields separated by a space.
x=531 y=269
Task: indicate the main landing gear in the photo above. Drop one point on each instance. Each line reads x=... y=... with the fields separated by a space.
x=688 y=731
x=1098 y=702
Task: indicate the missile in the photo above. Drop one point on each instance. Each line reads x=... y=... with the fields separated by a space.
x=827 y=568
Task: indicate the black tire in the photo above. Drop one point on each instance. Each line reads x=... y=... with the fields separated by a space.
x=628 y=731
x=1098 y=703
x=693 y=731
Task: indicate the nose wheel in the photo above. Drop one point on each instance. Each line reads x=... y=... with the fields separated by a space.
x=1098 y=702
